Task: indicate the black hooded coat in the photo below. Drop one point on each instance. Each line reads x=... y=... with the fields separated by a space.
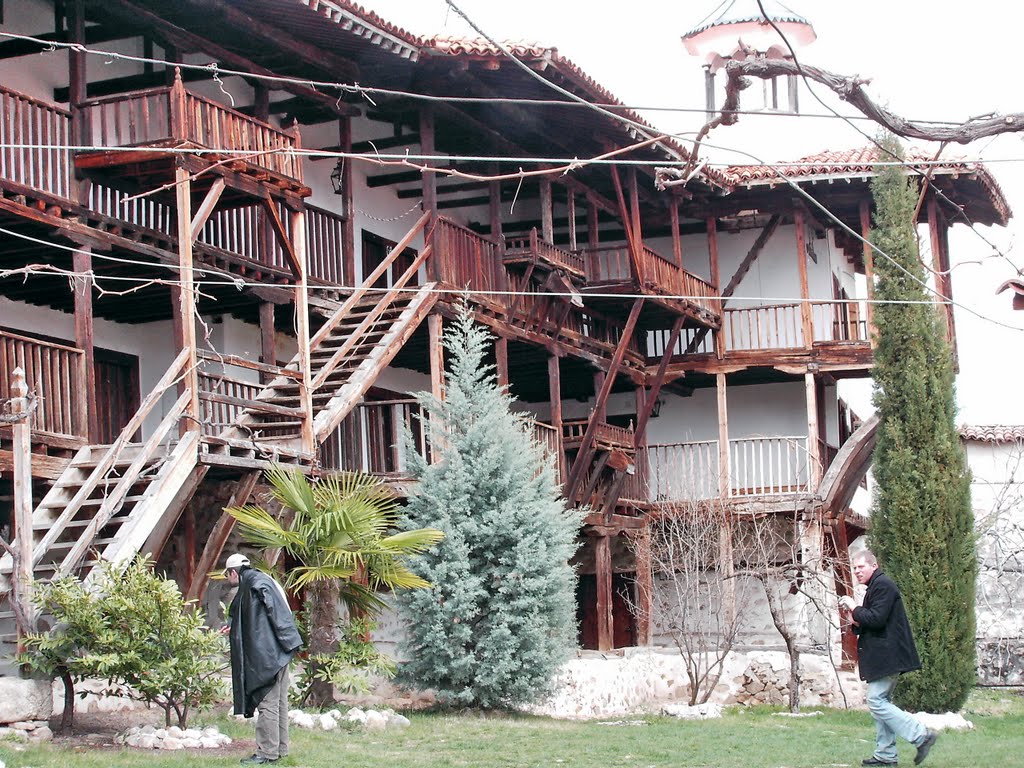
x=263 y=638
x=885 y=644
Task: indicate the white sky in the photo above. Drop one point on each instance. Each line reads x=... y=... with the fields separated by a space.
x=927 y=60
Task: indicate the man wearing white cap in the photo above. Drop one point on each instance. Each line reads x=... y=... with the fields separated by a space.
x=264 y=639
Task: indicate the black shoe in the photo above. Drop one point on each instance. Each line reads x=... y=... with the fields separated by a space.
x=257 y=760
x=925 y=747
x=875 y=761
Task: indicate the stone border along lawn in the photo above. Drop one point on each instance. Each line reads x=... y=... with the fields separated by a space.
x=743 y=738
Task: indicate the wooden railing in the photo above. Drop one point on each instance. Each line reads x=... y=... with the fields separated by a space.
x=55 y=374
x=223 y=396
x=768 y=465
x=173 y=115
x=772 y=327
x=34 y=139
x=681 y=471
x=518 y=249
x=470 y=261
x=608 y=264
x=139 y=211
x=369 y=439
x=837 y=321
x=605 y=434
x=324 y=255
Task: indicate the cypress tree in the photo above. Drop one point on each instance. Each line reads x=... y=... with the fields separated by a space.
x=921 y=522
x=499 y=618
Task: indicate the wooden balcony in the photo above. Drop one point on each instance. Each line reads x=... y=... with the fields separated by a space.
x=610 y=270
x=145 y=134
x=606 y=437
x=532 y=250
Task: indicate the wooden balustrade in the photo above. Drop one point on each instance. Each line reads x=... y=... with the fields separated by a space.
x=139 y=212
x=55 y=375
x=369 y=439
x=470 y=261
x=838 y=321
x=772 y=327
x=34 y=139
x=171 y=115
x=681 y=471
x=223 y=396
x=324 y=256
x=605 y=434
x=669 y=278
x=608 y=264
x=524 y=249
x=768 y=465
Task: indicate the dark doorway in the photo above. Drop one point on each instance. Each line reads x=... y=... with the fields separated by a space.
x=117 y=392
x=376 y=250
x=623 y=620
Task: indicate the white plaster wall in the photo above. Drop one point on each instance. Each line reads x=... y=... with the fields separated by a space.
x=39 y=74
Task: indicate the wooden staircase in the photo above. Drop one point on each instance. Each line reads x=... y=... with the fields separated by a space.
x=111 y=502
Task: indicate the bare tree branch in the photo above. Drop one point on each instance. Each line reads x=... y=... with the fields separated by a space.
x=851 y=89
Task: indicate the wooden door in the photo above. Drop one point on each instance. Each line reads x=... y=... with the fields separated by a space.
x=375 y=250
x=117 y=392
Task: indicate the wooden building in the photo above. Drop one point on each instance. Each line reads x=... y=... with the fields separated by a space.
x=206 y=268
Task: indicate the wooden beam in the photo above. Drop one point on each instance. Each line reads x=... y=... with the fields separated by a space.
x=716 y=280
x=501 y=360
x=427 y=147
x=283 y=239
x=446 y=189
x=21 y=447
x=869 y=272
x=494 y=209
x=547 y=228
x=348 y=225
x=570 y=202
x=806 y=318
x=631 y=236
x=723 y=437
x=268 y=340
x=644 y=579
x=302 y=335
x=677 y=240
x=94 y=35
x=555 y=397
x=207 y=207
x=185 y=311
x=644 y=414
x=218 y=538
x=814 y=468
x=85 y=400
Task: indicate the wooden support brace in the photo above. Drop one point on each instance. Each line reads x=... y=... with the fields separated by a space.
x=207 y=207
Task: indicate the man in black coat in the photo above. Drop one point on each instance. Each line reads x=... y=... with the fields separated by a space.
x=885 y=649
x=263 y=639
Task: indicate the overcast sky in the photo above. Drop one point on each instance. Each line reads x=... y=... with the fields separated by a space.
x=925 y=62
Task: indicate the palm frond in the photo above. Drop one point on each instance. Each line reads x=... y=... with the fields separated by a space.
x=258 y=527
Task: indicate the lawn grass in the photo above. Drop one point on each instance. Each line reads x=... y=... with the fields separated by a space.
x=744 y=738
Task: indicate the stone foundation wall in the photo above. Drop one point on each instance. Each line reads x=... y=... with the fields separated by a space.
x=1001 y=662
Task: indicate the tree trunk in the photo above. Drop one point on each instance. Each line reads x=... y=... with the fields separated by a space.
x=323 y=615
x=67 y=718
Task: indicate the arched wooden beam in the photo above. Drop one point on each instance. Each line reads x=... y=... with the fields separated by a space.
x=849 y=467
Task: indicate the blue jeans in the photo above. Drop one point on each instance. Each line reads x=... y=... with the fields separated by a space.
x=890 y=720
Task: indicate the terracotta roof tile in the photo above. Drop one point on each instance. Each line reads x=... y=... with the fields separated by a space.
x=993 y=433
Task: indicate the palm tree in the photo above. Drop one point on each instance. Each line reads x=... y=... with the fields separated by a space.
x=339 y=530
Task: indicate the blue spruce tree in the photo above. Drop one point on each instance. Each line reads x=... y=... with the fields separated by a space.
x=499 y=618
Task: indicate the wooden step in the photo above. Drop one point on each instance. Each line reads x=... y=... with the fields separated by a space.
x=87 y=502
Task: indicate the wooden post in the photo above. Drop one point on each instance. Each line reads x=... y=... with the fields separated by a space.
x=600 y=404
x=435 y=330
x=22 y=449
x=429 y=179
x=78 y=78
x=634 y=206
x=555 y=395
x=268 y=339
x=570 y=205
x=940 y=262
x=85 y=410
x=727 y=568
x=869 y=271
x=494 y=209
x=723 y=437
x=677 y=239
x=547 y=226
x=348 y=227
x=716 y=282
x=814 y=469
x=501 y=360
x=644 y=581
x=593 y=224
x=185 y=311
x=603 y=576
x=302 y=329
x=806 y=319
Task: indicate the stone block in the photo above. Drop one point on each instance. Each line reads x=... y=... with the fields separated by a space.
x=22 y=700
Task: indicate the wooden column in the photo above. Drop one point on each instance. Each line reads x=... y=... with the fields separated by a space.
x=940 y=262
x=814 y=469
x=21 y=447
x=184 y=313
x=555 y=396
x=806 y=319
x=634 y=207
x=268 y=339
x=302 y=334
x=600 y=404
x=644 y=580
x=570 y=204
x=501 y=360
x=494 y=208
x=85 y=400
x=348 y=227
x=869 y=260
x=677 y=239
x=603 y=576
x=81 y=134
x=593 y=224
x=547 y=226
x=435 y=331
x=716 y=282
x=723 y=437
x=429 y=178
